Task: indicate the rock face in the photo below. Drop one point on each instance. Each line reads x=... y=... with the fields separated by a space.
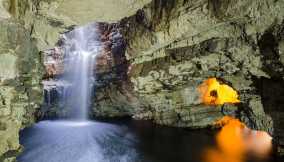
x=113 y=90
x=47 y=19
x=20 y=90
x=20 y=77
x=173 y=46
x=86 y=11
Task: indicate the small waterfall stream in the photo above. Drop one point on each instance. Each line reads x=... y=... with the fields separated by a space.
x=69 y=94
x=81 y=47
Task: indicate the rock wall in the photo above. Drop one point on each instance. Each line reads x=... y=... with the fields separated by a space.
x=113 y=90
x=20 y=90
x=20 y=75
x=47 y=19
x=173 y=46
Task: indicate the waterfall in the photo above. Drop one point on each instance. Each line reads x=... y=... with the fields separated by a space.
x=80 y=49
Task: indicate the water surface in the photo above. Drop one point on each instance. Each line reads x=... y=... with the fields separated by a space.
x=131 y=141
x=116 y=141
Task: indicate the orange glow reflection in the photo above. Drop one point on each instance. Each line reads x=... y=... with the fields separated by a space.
x=235 y=140
x=214 y=93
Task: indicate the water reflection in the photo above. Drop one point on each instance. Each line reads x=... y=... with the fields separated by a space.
x=134 y=141
x=65 y=141
x=236 y=143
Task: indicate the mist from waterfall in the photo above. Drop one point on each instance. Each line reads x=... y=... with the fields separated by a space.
x=81 y=46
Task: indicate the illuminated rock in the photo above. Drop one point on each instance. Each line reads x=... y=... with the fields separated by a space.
x=214 y=93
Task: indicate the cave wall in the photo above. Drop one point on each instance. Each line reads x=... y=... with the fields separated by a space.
x=173 y=46
x=47 y=19
x=20 y=77
x=20 y=89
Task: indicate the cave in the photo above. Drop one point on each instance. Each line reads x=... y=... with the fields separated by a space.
x=141 y=81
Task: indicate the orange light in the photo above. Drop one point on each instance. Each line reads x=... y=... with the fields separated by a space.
x=230 y=139
x=235 y=140
x=214 y=93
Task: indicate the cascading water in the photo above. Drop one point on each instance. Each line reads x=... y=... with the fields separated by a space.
x=80 y=49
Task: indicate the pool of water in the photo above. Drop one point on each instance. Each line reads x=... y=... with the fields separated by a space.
x=123 y=141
